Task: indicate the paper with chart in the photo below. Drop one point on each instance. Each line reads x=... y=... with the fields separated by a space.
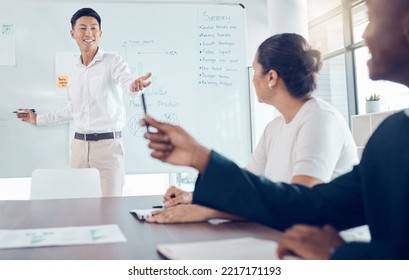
x=60 y=236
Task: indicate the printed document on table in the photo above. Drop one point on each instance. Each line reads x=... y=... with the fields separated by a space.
x=247 y=248
x=60 y=236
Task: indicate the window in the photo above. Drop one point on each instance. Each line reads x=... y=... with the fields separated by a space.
x=332 y=84
x=317 y=8
x=327 y=36
x=359 y=21
x=326 y=32
x=336 y=28
x=393 y=96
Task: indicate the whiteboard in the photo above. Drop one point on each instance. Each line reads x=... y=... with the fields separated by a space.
x=196 y=53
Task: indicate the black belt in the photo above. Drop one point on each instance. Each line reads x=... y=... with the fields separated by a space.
x=97 y=136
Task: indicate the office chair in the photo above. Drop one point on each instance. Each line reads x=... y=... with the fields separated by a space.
x=65 y=183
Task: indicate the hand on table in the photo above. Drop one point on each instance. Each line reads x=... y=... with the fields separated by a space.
x=182 y=213
x=309 y=242
x=175 y=196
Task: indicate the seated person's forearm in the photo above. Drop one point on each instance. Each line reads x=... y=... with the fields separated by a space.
x=305 y=180
x=216 y=214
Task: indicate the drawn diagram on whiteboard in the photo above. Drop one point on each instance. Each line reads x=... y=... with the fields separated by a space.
x=137 y=130
x=136 y=46
x=155 y=89
x=170 y=118
x=134 y=127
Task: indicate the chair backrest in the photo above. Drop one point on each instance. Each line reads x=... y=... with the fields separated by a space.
x=65 y=183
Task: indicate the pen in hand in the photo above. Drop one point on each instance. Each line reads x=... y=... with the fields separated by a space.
x=23 y=112
x=144 y=108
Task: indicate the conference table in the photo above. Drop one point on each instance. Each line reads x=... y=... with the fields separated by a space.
x=142 y=238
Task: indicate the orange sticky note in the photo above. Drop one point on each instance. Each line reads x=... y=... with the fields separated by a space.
x=62 y=81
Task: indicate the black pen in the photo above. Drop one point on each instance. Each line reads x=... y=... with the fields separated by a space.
x=144 y=109
x=23 y=112
x=157 y=206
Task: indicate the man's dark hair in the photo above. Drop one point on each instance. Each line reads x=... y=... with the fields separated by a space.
x=85 y=12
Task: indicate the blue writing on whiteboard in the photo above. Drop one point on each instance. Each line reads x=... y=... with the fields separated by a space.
x=214 y=18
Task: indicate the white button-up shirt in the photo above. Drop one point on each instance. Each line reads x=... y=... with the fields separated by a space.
x=95 y=91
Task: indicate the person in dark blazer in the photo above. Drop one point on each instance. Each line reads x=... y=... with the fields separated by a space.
x=375 y=192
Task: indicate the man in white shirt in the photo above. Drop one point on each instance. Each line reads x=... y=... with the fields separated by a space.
x=95 y=104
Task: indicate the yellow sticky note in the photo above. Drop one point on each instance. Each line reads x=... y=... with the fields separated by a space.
x=62 y=81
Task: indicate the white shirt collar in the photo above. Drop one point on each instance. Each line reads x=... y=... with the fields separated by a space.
x=98 y=57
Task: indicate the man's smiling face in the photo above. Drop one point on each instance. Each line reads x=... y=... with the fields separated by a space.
x=87 y=33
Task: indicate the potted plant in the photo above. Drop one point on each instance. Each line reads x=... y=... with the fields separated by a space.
x=373 y=104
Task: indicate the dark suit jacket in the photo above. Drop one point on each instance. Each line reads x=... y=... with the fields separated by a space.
x=375 y=192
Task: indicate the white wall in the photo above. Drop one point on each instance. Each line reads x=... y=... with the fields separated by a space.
x=288 y=16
